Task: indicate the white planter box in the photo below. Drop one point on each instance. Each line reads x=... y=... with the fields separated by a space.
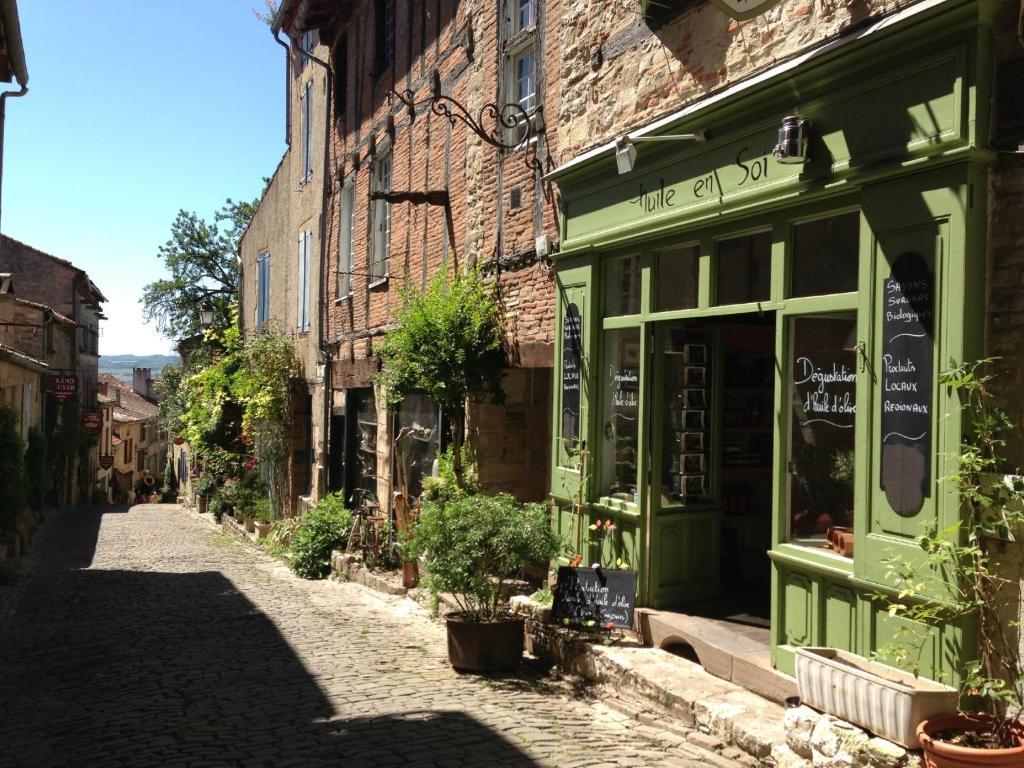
x=886 y=701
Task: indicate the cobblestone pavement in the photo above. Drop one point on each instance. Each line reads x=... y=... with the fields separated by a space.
x=144 y=637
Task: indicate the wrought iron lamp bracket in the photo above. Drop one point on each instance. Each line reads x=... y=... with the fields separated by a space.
x=511 y=126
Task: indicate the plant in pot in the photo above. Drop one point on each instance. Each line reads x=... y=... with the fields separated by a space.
x=975 y=569
x=473 y=545
x=262 y=515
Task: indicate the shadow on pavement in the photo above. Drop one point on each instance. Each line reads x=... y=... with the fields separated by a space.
x=142 y=668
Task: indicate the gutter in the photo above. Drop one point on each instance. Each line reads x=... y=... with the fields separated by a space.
x=323 y=354
x=12 y=30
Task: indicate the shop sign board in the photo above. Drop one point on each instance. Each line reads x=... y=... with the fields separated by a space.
x=571 y=373
x=92 y=422
x=106 y=460
x=64 y=388
x=594 y=597
x=907 y=372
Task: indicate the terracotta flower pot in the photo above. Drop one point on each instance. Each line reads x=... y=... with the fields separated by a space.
x=495 y=646
x=938 y=754
x=410 y=575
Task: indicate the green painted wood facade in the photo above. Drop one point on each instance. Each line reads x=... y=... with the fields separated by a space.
x=899 y=125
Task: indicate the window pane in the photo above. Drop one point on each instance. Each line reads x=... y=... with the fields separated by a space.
x=621 y=406
x=622 y=286
x=825 y=255
x=417 y=443
x=686 y=424
x=677 y=274
x=744 y=269
x=524 y=15
x=526 y=91
x=823 y=391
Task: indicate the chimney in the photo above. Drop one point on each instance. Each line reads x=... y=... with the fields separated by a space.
x=142 y=382
x=101 y=387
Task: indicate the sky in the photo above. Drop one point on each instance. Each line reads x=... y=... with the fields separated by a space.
x=136 y=109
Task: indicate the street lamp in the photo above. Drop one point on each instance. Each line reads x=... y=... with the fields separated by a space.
x=206 y=314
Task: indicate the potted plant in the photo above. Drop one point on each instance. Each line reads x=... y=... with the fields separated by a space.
x=472 y=545
x=967 y=576
x=263 y=517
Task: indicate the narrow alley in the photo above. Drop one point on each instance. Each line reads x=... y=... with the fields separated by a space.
x=145 y=637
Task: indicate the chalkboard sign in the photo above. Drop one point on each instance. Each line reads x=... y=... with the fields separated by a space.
x=594 y=597
x=907 y=371
x=571 y=373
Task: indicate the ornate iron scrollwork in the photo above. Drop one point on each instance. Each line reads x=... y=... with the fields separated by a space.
x=512 y=127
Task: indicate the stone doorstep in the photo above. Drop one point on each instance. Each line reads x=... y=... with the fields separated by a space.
x=729 y=650
x=686 y=692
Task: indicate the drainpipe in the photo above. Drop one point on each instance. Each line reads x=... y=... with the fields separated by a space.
x=12 y=27
x=323 y=356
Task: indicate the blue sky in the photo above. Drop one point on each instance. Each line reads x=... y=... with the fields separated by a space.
x=136 y=108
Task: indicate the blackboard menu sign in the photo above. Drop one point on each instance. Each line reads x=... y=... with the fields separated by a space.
x=571 y=373
x=594 y=597
x=907 y=372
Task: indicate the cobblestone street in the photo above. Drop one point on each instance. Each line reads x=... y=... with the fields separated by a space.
x=144 y=637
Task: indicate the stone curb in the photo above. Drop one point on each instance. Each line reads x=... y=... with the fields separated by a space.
x=352 y=568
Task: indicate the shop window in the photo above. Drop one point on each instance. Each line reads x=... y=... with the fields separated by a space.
x=825 y=255
x=363 y=481
x=622 y=286
x=743 y=269
x=621 y=410
x=417 y=443
x=822 y=401
x=677 y=275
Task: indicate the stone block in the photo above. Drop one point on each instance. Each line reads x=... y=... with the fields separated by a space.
x=799 y=723
x=882 y=753
x=784 y=757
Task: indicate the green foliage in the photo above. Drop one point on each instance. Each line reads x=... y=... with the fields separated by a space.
x=970 y=572
x=241 y=496
x=37 y=469
x=64 y=442
x=448 y=345
x=473 y=544
x=13 y=491
x=201 y=260
x=325 y=527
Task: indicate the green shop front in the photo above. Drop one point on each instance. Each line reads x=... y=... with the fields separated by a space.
x=749 y=348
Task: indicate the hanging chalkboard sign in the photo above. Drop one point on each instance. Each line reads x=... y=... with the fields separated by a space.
x=594 y=597
x=571 y=373
x=907 y=371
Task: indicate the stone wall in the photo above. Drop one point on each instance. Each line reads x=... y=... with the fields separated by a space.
x=620 y=72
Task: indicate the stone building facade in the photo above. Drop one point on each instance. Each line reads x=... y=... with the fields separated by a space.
x=488 y=208
x=280 y=255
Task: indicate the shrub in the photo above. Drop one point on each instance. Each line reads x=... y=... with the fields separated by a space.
x=473 y=544
x=325 y=527
x=13 y=494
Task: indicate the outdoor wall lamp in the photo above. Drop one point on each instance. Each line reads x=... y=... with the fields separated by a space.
x=206 y=314
x=625 y=149
x=792 y=146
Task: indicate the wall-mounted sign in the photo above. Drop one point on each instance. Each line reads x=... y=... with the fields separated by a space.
x=64 y=388
x=92 y=422
x=741 y=10
x=571 y=373
x=106 y=461
x=908 y=317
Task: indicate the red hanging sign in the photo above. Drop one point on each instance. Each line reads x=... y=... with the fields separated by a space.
x=92 y=422
x=106 y=461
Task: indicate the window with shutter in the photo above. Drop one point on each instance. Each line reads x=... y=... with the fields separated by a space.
x=381 y=218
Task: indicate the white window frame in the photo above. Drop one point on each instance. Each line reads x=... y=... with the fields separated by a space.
x=303 y=284
x=306 y=110
x=262 y=290
x=346 y=238
x=519 y=42
x=380 y=240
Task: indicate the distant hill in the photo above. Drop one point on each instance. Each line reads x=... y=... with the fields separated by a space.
x=121 y=365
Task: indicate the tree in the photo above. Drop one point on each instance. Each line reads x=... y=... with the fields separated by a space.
x=201 y=258
x=448 y=344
